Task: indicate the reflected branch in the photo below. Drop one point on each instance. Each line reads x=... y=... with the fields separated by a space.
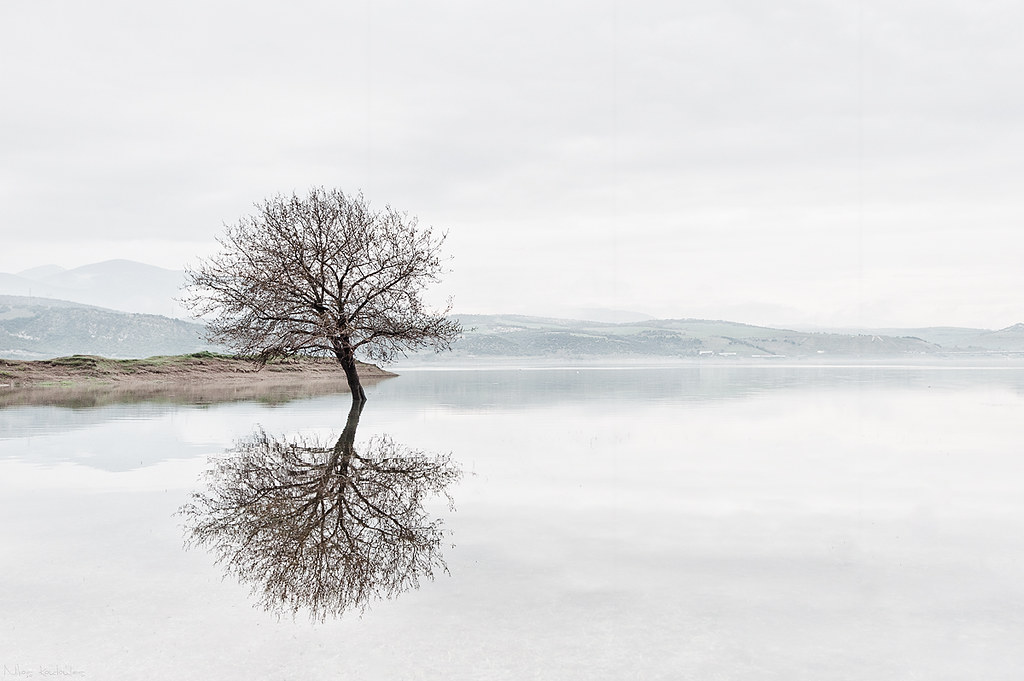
x=323 y=527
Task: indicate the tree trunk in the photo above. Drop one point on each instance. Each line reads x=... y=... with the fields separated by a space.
x=347 y=357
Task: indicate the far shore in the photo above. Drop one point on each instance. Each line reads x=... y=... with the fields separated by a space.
x=199 y=368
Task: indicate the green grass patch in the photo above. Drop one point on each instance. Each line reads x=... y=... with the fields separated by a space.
x=78 y=361
x=205 y=354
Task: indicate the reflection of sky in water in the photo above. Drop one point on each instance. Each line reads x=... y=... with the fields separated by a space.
x=126 y=437
x=752 y=525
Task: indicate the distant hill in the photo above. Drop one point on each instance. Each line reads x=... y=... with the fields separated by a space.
x=517 y=336
x=522 y=336
x=954 y=339
x=39 y=328
x=123 y=285
x=1010 y=338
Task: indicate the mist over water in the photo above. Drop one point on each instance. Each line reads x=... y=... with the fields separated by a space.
x=688 y=522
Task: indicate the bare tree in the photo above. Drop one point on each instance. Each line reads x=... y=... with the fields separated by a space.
x=323 y=528
x=323 y=274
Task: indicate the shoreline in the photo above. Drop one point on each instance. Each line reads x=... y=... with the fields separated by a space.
x=198 y=368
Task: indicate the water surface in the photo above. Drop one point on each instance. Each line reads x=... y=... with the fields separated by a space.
x=694 y=522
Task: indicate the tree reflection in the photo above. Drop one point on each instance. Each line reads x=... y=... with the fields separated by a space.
x=323 y=527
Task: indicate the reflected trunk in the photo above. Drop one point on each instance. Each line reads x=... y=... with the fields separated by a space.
x=344 y=448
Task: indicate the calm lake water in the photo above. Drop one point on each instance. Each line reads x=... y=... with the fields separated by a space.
x=714 y=522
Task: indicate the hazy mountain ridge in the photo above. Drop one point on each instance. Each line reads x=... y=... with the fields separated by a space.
x=123 y=285
x=37 y=328
x=522 y=336
x=959 y=339
x=133 y=287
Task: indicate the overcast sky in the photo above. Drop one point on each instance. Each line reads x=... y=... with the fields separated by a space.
x=784 y=162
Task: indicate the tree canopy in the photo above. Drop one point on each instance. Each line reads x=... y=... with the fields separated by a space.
x=323 y=274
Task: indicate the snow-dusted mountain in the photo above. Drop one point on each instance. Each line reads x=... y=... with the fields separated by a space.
x=41 y=328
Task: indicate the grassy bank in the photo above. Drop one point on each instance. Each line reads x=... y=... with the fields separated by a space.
x=198 y=367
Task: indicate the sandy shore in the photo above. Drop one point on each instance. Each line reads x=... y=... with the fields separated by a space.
x=200 y=368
